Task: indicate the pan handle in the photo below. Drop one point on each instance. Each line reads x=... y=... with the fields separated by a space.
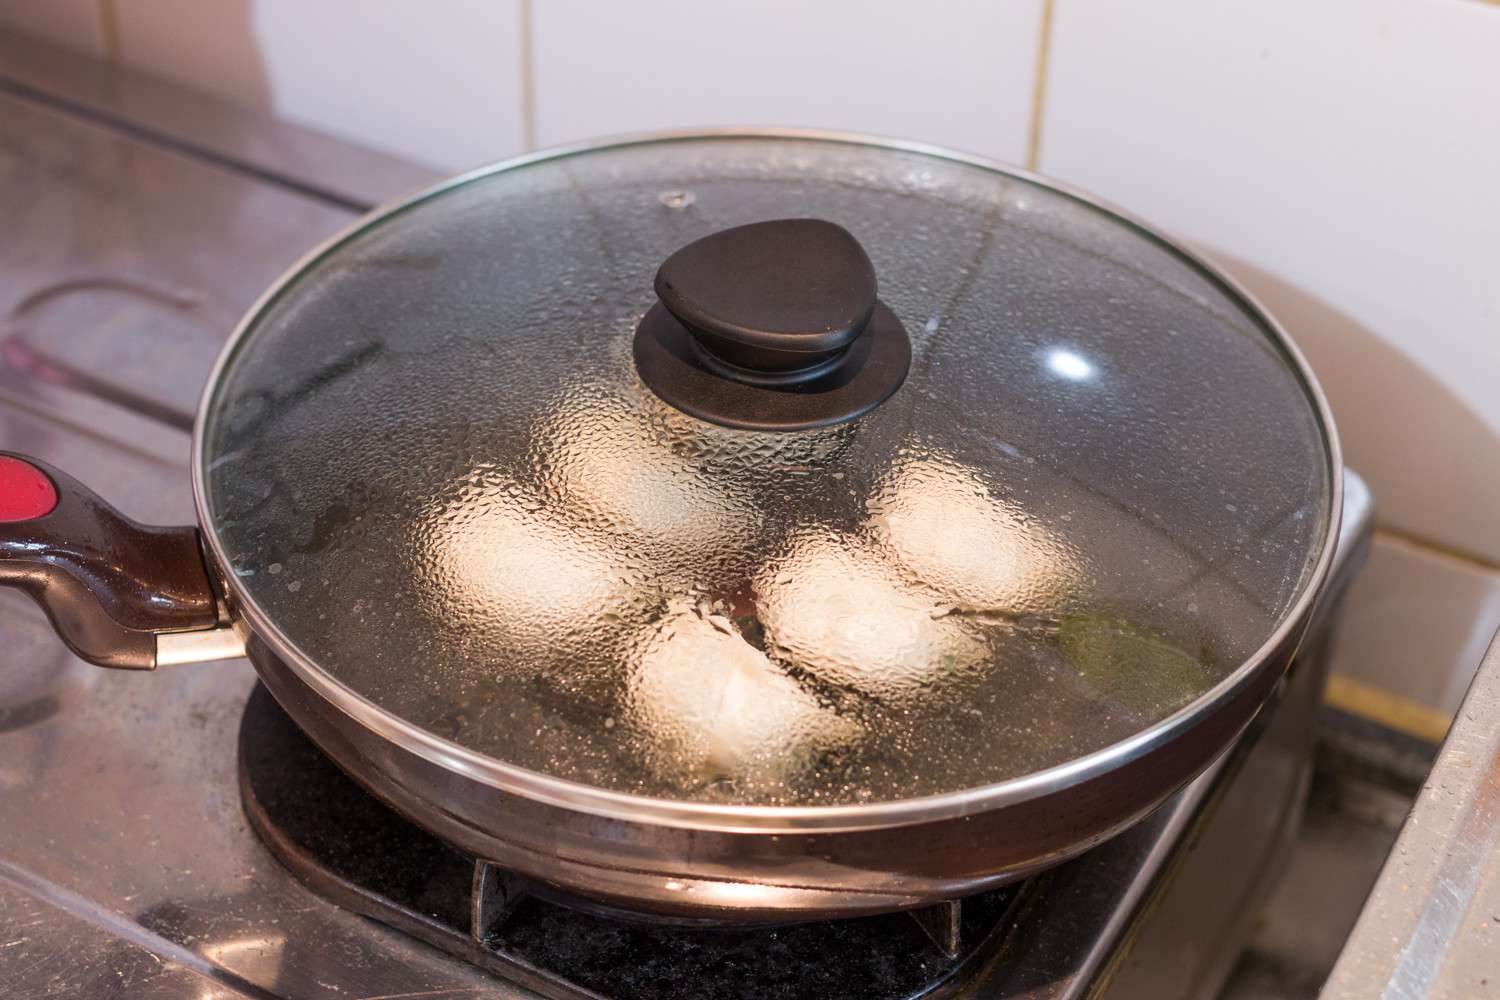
x=120 y=594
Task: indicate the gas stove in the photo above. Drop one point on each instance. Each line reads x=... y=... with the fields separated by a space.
x=350 y=849
x=172 y=835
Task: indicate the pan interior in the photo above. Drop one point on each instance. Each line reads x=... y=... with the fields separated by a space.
x=430 y=462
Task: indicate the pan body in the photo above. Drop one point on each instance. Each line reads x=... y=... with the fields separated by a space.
x=766 y=873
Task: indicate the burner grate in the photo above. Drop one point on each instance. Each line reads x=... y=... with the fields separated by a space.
x=355 y=851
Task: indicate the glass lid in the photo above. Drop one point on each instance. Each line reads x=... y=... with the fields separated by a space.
x=546 y=463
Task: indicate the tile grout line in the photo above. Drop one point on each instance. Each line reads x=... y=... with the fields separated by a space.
x=1429 y=548
x=528 y=79
x=1039 y=87
x=1386 y=708
x=109 y=33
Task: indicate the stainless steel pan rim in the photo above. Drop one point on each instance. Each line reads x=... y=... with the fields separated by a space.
x=768 y=819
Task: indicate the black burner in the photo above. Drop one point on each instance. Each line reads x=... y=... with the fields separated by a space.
x=352 y=849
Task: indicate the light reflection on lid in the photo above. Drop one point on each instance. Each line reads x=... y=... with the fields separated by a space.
x=1070 y=365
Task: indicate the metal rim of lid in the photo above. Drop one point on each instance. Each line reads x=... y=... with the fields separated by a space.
x=574 y=796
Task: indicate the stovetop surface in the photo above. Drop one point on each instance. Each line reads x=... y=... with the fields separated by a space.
x=353 y=849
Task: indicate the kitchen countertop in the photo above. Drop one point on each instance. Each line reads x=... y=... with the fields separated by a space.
x=1431 y=927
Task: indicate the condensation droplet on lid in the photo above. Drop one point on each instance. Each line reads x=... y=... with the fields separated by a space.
x=274 y=568
x=676 y=199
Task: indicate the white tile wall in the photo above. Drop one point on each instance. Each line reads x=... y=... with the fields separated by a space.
x=74 y=23
x=956 y=73
x=1417 y=623
x=438 y=82
x=1348 y=151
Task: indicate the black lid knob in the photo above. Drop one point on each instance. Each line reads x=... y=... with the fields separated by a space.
x=771 y=326
x=773 y=301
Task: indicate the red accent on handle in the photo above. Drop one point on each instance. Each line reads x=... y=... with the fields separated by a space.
x=25 y=491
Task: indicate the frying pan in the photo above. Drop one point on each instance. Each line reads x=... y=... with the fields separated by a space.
x=129 y=596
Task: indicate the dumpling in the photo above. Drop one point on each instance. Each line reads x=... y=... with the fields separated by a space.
x=839 y=610
x=711 y=706
x=975 y=551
